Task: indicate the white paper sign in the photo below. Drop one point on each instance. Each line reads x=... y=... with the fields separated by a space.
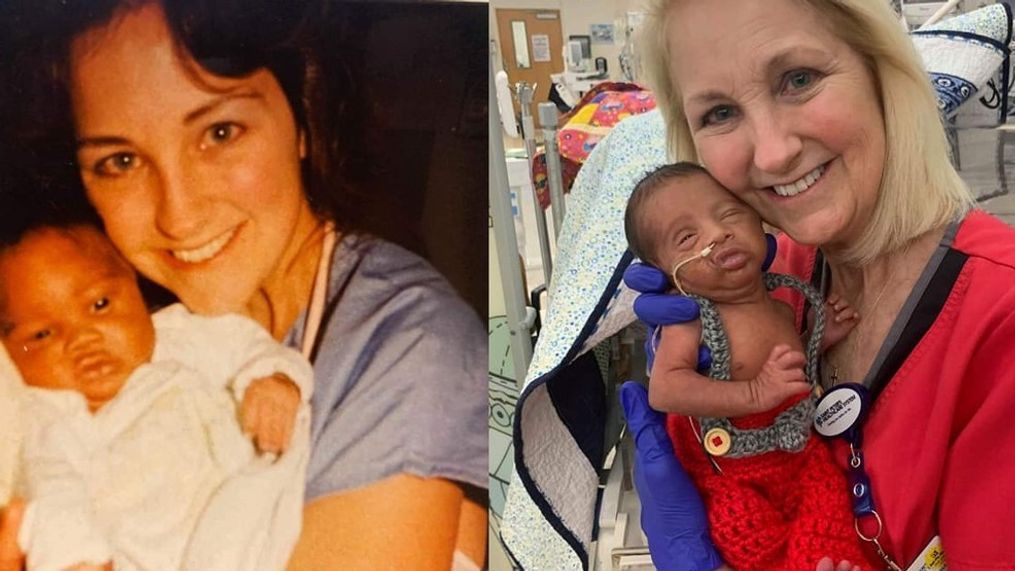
x=540 y=47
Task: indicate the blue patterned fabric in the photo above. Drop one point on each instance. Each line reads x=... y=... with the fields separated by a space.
x=951 y=91
x=963 y=56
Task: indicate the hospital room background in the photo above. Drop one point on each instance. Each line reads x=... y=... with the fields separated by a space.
x=563 y=73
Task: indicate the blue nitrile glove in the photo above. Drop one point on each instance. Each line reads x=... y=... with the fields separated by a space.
x=656 y=307
x=672 y=515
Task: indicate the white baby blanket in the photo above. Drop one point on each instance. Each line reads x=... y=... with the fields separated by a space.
x=162 y=477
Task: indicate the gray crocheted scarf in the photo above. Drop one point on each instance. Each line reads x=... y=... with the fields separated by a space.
x=792 y=427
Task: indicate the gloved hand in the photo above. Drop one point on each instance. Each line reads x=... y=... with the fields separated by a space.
x=672 y=514
x=656 y=307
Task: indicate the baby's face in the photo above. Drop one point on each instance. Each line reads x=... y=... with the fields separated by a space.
x=690 y=213
x=71 y=313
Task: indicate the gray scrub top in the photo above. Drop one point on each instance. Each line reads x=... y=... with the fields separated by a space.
x=400 y=384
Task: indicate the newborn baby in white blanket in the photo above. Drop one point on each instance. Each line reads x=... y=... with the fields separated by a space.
x=140 y=433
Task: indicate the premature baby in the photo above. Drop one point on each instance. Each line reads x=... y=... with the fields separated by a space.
x=143 y=430
x=782 y=507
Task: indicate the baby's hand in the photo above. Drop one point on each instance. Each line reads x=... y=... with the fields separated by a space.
x=826 y=564
x=781 y=377
x=268 y=412
x=11 y=515
x=840 y=319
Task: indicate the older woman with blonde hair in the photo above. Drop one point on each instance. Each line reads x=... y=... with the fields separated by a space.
x=818 y=113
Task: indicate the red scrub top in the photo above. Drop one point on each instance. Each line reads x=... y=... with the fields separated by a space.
x=940 y=439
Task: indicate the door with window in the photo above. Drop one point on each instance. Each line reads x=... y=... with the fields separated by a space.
x=531 y=47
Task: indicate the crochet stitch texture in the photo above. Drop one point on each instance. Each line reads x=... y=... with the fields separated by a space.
x=780 y=502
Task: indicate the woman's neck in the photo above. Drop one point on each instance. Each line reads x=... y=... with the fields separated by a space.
x=898 y=267
x=877 y=291
x=285 y=294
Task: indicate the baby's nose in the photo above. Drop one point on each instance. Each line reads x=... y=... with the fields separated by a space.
x=721 y=234
x=83 y=338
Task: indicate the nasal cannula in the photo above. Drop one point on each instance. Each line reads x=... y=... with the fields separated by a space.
x=702 y=254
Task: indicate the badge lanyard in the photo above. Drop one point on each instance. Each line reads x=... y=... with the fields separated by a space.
x=842 y=412
x=318 y=294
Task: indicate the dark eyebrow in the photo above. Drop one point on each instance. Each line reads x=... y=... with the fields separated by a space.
x=101 y=141
x=218 y=102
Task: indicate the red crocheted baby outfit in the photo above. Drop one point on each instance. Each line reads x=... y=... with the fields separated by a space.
x=776 y=511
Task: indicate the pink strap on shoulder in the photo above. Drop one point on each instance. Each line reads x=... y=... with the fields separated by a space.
x=319 y=293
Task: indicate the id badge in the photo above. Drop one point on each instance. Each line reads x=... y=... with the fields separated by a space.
x=932 y=558
x=841 y=411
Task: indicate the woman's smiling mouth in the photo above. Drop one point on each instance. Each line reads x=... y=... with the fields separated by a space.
x=796 y=187
x=207 y=251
